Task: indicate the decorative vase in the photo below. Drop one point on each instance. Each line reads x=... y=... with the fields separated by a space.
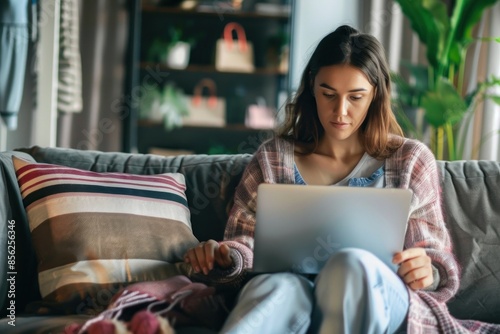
x=178 y=56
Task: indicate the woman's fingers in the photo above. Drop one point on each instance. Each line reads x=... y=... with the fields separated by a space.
x=223 y=256
x=197 y=258
x=202 y=256
x=408 y=254
x=419 y=278
x=415 y=268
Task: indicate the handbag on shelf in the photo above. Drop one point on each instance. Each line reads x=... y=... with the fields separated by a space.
x=234 y=55
x=260 y=116
x=205 y=111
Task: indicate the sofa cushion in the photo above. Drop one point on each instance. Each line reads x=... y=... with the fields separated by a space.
x=471 y=198
x=95 y=232
x=210 y=179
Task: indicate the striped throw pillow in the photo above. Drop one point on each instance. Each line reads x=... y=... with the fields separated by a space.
x=94 y=233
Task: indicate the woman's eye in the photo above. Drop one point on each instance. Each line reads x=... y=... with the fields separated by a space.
x=356 y=98
x=328 y=95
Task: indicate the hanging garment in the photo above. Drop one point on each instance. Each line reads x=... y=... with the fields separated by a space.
x=69 y=89
x=14 y=40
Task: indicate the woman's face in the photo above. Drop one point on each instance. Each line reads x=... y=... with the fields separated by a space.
x=343 y=95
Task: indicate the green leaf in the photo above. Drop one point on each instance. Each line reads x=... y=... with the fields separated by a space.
x=429 y=20
x=465 y=16
x=157 y=51
x=494 y=98
x=443 y=105
x=493 y=81
x=489 y=39
x=479 y=91
x=419 y=73
x=469 y=98
x=406 y=94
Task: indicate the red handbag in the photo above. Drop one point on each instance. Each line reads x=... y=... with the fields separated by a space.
x=231 y=55
x=205 y=111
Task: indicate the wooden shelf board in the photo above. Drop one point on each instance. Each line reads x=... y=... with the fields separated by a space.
x=227 y=127
x=221 y=13
x=210 y=69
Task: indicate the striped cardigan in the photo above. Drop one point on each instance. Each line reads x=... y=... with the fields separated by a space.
x=412 y=166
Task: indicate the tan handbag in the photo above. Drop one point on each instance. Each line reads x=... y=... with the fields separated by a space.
x=205 y=111
x=231 y=55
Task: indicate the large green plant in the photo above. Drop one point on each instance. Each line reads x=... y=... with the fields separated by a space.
x=438 y=86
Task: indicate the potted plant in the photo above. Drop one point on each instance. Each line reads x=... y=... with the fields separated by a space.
x=175 y=51
x=178 y=49
x=166 y=104
x=438 y=86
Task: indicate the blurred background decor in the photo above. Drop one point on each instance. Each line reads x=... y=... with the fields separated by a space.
x=166 y=104
x=439 y=87
x=175 y=49
x=124 y=47
x=205 y=110
x=260 y=115
x=234 y=55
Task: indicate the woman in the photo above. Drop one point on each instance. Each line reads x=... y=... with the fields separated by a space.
x=340 y=130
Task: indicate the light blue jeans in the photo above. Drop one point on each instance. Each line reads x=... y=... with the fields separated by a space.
x=354 y=293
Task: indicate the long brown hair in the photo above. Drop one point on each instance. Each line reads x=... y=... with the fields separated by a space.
x=345 y=45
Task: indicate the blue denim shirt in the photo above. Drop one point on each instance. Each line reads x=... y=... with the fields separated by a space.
x=370 y=181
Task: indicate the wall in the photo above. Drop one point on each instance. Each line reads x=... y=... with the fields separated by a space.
x=312 y=20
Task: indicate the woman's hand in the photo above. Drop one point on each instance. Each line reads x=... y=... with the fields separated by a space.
x=414 y=268
x=203 y=256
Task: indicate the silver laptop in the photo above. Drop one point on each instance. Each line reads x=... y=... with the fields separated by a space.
x=298 y=227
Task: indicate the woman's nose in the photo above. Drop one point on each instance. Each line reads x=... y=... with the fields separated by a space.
x=341 y=107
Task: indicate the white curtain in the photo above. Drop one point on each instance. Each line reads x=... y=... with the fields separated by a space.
x=490 y=129
x=481 y=131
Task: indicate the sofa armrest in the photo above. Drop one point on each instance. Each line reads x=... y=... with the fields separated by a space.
x=24 y=287
x=471 y=198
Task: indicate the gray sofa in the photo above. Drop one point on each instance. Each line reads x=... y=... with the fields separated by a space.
x=471 y=193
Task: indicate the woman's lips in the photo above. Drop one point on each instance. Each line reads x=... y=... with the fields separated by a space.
x=339 y=125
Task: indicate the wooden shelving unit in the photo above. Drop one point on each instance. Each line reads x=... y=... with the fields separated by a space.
x=238 y=89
